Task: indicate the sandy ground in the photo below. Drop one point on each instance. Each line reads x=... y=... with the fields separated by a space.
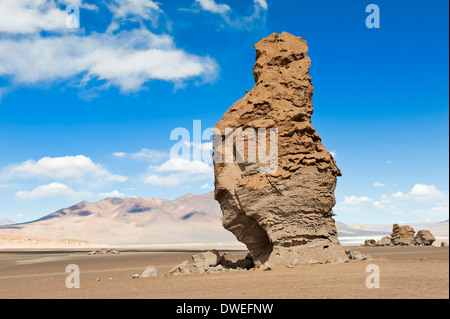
x=410 y=272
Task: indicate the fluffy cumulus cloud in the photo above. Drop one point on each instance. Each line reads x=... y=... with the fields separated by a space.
x=131 y=9
x=178 y=171
x=114 y=193
x=378 y=184
x=212 y=6
x=75 y=169
x=422 y=201
x=50 y=190
x=126 y=58
x=27 y=16
x=262 y=4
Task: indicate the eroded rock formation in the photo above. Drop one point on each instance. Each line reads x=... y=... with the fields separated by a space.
x=402 y=235
x=284 y=215
x=424 y=238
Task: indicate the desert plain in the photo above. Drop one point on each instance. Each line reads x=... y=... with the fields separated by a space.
x=405 y=272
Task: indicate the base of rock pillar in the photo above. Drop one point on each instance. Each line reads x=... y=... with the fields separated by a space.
x=314 y=253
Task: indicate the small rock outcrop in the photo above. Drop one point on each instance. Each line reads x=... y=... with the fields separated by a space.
x=281 y=210
x=402 y=235
x=424 y=238
x=385 y=241
x=370 y=242
x=150 y=271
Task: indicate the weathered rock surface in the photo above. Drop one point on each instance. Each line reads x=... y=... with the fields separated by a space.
x=424 y=238
x=356 y=255
x=211 y=262
x=181 y=269
x=284 y=215
x=402 y=235
x=385 y=241
x=150 y=271
x=202 y=262
x=370 y=242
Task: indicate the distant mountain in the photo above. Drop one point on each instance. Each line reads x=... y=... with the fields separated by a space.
x=190 y=218
x=187 y=219
x=6 y=222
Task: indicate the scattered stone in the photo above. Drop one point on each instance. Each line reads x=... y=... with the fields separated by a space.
x=136 y=276
x=356 y=255
x=215 y=270
x=150 y=271
x=370 y=242
x=424 y=238
x=181 y=269
x=202 y=262
x=444 y=244
x=265 y=267
x=114 y=252
x=423 y=259
x=295 y=263
x=98 y=279
x=281 y=210
x=104 y=251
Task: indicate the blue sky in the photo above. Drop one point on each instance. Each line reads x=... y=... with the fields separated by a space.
x=87 y=113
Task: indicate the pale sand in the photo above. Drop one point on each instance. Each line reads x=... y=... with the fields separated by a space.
x=403 y=275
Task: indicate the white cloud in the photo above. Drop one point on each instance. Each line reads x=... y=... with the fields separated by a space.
x=126 y=60
x=144 y=154
x=353 y=200
x=206 y=186
x=177 y=171
x=171 y=180
x=69 y=168
x=231 y=18
x=119 y=154
x=377 y=184
x=130 y=9
x=117 y=178
x=423 y=200
x=30 y=16
x=419 y=193
x=262 y=4
x=213 y=7
x=113 y=194
x=149 y=155
x=182 y=165
x=33 y=16
x=50 y=190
